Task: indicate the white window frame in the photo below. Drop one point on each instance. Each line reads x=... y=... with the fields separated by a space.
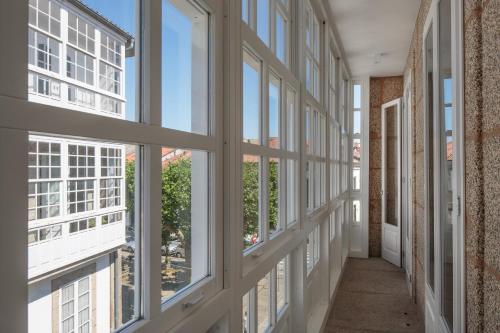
x=433 y=300
x=269 y=66
x=75 y=300
x=32 y=117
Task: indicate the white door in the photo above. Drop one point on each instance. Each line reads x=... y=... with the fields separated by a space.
x=391 y=185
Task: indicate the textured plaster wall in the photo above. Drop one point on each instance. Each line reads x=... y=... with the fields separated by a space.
x=482 y=161
x=382 y=90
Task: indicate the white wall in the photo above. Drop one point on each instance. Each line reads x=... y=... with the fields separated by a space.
x=40 y=307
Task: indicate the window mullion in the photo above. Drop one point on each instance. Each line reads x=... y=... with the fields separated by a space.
x=151 y=226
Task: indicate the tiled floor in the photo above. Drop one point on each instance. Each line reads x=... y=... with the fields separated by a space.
x=373 y=297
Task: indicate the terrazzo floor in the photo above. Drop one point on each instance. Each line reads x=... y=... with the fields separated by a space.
x=373 y=297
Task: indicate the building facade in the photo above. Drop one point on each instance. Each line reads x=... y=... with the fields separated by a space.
x=77 y=202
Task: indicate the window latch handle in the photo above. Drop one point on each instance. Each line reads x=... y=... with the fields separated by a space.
x=193 y=302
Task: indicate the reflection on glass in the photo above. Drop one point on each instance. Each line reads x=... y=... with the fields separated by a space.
x=430 y=153
x=184 y=67
x=251 y=200
x=274 y=112
x=74 y=214
x=356 y=122
x=245 y=315
x=281 y=271
x=263 y=20
x=263 y=291
x=274 y=194
x=391 y=166
x=308 y=130
x=184 y=217
x=446 y=163
x=244 y=11
x=291 y=114
x=281 y=37
x=356 y=211
x=357 y=96
x=292 y=190
x=356 y=164
x=251 y=99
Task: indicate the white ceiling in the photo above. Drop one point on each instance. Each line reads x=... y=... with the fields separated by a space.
x=375 y=34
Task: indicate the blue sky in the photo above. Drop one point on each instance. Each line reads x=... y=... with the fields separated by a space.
x=176 y=60
x=250 y=102
x=122 y=13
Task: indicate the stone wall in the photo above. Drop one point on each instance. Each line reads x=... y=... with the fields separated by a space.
x=482 y=163
x=382 y=90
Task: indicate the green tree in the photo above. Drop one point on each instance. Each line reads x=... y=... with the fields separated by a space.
x=176 y=204
x=250 y=180
x=273 y=194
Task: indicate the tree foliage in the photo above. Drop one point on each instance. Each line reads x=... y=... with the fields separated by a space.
x=176 y=199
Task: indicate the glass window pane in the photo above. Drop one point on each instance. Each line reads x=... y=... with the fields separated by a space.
x=356 y=211
x=185 y=67
x=251 y=200
x=185 y=219
x=447 y=173
x=244 y=11
x=263 y=20
x=356 y=164
x=428 y=58
x=274 y=194
x=245 y=315
x=291 y=193
x=291 y=116
x=281 y=38
x=263 y=289
x=69 y=242
x=281 y=285
x=274 y=111
x=121 y=81
x=357 y=96
x=251 y=99
x=356 y=125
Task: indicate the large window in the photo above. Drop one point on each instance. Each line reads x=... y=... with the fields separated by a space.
x=109 y=78
x=312 y=249
x=188 y=187
x=185 y=67
x=81 y=33
x=264 y=304
x=185 y=219
x=356 y=138
x=80 y=66
x=111 y=49
x=45 y=15
x=43 y=51
x=270 y=19
x=311 y=52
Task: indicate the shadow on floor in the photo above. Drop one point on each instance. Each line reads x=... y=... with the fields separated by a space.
x=373 y=297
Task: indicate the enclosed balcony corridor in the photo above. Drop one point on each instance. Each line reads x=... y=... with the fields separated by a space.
x=373 y=297
x=250 y=166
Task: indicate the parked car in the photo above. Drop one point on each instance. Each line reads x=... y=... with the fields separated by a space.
x=174 y=249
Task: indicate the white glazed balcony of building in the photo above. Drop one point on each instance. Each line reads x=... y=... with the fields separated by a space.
x=69 y=248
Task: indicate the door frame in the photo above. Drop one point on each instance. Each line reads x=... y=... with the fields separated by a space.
x=397 y=104
x=433 y=304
